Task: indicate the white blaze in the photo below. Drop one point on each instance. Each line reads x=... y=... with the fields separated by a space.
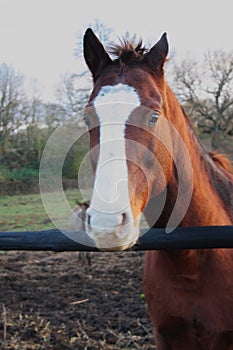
x=110 y=197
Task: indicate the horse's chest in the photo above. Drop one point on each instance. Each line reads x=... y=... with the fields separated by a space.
x=189 y=320
x=187 y=310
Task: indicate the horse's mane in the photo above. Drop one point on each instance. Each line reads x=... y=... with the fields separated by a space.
x=128 y=50
x=222 y=161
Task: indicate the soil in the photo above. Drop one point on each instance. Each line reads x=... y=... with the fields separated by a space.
x=52 y=301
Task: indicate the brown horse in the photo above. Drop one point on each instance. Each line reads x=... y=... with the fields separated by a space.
x=146 y=157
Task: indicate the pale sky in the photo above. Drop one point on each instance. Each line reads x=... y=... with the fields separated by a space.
x=38 y=36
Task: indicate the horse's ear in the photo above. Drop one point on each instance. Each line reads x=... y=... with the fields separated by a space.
x=94 y=53
x=157 y=55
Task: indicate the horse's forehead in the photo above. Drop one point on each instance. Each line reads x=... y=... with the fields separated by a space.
x=139 y=81
x=120 y=93
x=115 y=103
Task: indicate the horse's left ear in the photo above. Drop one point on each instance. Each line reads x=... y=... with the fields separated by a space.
x=94 y=53
x=157 y=55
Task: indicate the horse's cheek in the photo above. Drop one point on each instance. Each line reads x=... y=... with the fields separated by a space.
x=162 y=169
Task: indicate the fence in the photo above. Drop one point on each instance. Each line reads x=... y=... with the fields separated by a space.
x=153 y=239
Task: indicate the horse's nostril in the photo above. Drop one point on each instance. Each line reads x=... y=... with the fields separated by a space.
x=88 y=219
x=126 y=219
x=123 y=219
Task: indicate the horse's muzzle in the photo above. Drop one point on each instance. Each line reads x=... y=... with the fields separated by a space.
x=111 y=231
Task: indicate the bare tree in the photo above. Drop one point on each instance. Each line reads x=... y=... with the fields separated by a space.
x=102 y=31
x=12 y=104
x=72 y=94
x=221 y=74
x=206 y=91
x=74 y=88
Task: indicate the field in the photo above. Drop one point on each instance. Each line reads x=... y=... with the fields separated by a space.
x=56 y=301
x=21 y=212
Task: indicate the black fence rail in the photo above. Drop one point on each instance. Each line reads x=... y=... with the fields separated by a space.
x=152 y=239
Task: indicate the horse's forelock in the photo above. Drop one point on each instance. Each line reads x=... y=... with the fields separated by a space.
x=128 y=51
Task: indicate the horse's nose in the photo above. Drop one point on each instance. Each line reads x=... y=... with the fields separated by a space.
x=102 y=223
x=112 y=231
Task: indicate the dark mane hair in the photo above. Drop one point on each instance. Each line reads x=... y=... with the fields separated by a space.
x=222 y=161
x=128 y=51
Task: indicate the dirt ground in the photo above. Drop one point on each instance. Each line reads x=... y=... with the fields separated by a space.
x=50 y=301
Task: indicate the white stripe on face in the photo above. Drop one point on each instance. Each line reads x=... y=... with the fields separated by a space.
x=110 y=198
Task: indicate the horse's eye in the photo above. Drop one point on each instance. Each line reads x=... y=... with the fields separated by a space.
x=153 y=118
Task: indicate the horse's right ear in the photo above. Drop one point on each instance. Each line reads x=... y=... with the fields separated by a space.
x=94 y=53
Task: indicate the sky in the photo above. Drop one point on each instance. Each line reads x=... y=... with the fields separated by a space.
x=38 y=37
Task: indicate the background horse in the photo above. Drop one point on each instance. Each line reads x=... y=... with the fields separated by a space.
x=77 y=223
x=146 y=157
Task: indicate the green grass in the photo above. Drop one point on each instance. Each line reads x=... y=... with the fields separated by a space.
x=27 y=213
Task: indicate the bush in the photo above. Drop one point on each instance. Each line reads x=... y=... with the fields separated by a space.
x=22 y=180
x=21 y=174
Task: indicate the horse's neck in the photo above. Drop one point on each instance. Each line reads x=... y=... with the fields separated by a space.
x=208 y=204
x=206 y=208
x=212 y=197
x=212 y=190
x=211 y=204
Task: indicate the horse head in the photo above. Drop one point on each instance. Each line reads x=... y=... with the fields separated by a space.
x=129 y=137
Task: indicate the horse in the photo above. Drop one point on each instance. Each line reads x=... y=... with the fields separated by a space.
x=145 y=156
x=76 y=222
